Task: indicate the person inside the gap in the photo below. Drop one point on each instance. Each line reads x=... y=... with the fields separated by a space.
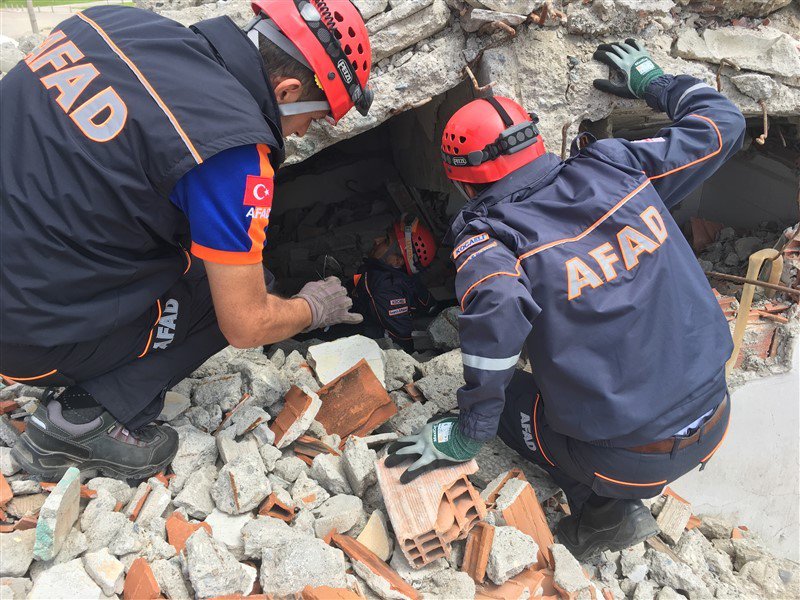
x=388 y=291
x=580 y=262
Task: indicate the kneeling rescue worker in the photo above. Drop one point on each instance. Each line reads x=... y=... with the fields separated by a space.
x=388 y=290
x=581 y=261
x=132 y=140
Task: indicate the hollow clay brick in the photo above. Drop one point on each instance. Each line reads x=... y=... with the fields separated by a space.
x=357 y=551
x=526 y=514
x=431 y=512
x=272 y=507
x=476 y=553
x=140 y=583
x=355 y=403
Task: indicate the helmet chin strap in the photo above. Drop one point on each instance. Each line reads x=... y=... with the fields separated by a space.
x=460 y=187
x=301 y=108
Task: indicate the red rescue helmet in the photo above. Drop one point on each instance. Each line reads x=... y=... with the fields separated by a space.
x=329 y=38
x=417 y=244
x=489 y=138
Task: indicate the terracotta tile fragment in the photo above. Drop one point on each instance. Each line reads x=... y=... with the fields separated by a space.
x=413 y=391
x=18 y=425
x=526 y=514
x=179 y=530
x=165 y=479
x=736 y=533
x=476 y=553
x=6 y=528
x=138 y=508
x=5 y=491
x=324 y=592
x=355 y=403
x=49 y=486
x=355 y=550
x=694 y=522
x=7 y=406
x=307 y=448
x=272 y=507
x=296 y=403
x=704 y=232
x=26 y=523
x=140 y=583
x=668 y=491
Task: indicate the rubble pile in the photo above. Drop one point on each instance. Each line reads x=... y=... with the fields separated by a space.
x=263 y=498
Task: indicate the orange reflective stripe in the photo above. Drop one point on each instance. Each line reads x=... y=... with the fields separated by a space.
x=699 y=160
x=356 y=278
x=143 y=80
x=536 y=431
x=710 y=454
x=225 y=257
x=18 y=379
x=188 y=261
x=653 y=484
x=152 y=329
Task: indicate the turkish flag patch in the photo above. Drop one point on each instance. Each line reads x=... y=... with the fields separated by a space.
x=258 y=191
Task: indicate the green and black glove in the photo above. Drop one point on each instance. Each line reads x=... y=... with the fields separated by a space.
x=631 y=63
x=436 y=445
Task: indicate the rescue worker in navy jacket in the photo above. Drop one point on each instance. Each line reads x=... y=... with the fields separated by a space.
x=131 y=146
x=580 y=262
x=388 y=289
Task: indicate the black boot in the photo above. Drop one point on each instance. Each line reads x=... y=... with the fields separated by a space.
x=56 y=439
x=614 y=525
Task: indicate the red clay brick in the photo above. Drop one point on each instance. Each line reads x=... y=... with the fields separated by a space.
x=179 y=530
x=7 y=406
x=296 y=403
x=476 y=554
x=140 y=583
x=324 y=592
x=272 y=507
x=5 y=491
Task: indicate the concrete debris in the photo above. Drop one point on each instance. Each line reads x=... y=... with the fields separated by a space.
x=358 y=462
x=67 y=580
x=568 y=576
x=289 y=468
x=263 y=381
x=179 y=530
x=401 y=368
x=195 y=497
x=444 y=375
x=443 y=330
x=370 y=8
x=224 y=391
x=120 y=490
x=270 y=455
x=298 y=372
x=265 y=531
x=292 y=564
x=213 y=570
x=401 y=34
x=307 y=493
x=756 y=86
x=228 y=530
x=105 y=570
x=9 y=57
x=332 y=359
x=633 y=564
x=25 y=487
x=673 y=518
x=241 y=485
x=15 y=588
x=339 y=513
x=16 y=548
x=175 y=405
x=195 y=450
x=375 y=536
x=299 y=410
x=170 y=579
x=57 y=515
x=512 y=552
x=8 y=465
x=155 y=504
x=229 y=449
x=328 y=471
x=411 y=418
x=666 y=572
x=103 y=529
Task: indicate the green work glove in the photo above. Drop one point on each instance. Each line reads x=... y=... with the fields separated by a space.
x=435 y=445
x=632 y=63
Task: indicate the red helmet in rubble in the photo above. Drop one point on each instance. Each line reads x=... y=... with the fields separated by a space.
x=328 y=37
x=489 y=138
x=417 y=244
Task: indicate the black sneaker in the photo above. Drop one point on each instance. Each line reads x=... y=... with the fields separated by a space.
x=51 y=445
x=615 y=525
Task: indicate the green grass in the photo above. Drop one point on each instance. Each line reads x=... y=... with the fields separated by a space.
x=44 y=4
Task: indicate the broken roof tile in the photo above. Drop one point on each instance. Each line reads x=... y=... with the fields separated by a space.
x=355 y=403
x=357 y=551
x=431 y=512
x=476 y=553
x=325 y=592
x=179 y=530
x=307 y=448
x=273 y=507
x=140 y=583
x=299 y=409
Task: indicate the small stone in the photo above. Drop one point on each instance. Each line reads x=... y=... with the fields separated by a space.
x=289 y=468
x=105 y=570
x=241 y=485
x=57 y=515
x=8 y=464
x=270 y=455
x=328 y=471
x=568 y=576
x=120 y=490
x=358 y=462
x=195 y=497
x=67 y=580
x=16 y=550
x=25 y=487
x=227 y=529
x=299 y=562
x=213 y=570
x=307 y=493
x=512 y=552
x=338 y=513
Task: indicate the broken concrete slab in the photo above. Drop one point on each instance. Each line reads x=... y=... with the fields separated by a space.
x=213 y=570
x=667 y=572
x=443 y=330
x=633 y=564
x=241 y=485
x=400 y=367
x=511 y=553
x=338 y=513
x=370 y=8
x=66 y=580
x=298 y=562
x=195 y=497
x=299 y=410
x=227 y=529
x=714 y=528
x=355 y=403
x=265 y=383
x=358 y=462
x=263 y=532
x=175 y=405
x=229 y=449
x=375 y=536
x=57 y=515
x=328 y=471
x=170 y=579
x=105 y=570
x=224 y=391
x=16 y=548
x=331 y=359
x=568 y=576
x=195 y=450
x=298 y=372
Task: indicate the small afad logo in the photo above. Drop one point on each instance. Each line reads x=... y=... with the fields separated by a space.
x=258 y=191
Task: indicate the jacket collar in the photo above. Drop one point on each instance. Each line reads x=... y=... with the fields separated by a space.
x=234 y=51
x=525 y=180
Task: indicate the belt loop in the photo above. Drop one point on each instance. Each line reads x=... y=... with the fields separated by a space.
x=700 y=433
x=675 y=446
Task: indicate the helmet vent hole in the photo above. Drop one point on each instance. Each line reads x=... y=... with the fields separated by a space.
x=365 y=65
x=462 y=139
x=337 y=33
x=455 y=149
x=360 y=48
x=355 y=66
x=351 y=31
x=348 y=50
x=338 y=16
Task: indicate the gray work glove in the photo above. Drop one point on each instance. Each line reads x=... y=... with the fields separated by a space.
x=436 y=445
x=631 y=63
x=329 y=303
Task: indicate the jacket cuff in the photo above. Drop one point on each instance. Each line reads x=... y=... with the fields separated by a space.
x=654 y=94
x=477 y=427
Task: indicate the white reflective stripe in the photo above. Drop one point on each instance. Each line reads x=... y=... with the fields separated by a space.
x=695 y=87
x=489 y=364
x=301 y=108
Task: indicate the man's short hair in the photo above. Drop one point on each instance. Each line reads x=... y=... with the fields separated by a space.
x=281 y=66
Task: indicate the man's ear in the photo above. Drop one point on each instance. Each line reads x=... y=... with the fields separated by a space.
x=288 y=90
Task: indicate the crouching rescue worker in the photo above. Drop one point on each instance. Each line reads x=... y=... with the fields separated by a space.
x=388 y=290
x=580 y=261
x=135 y=146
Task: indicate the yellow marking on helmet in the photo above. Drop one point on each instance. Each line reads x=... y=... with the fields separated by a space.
x=316 y=80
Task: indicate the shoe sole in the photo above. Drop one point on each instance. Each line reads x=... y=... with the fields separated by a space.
x=611 y=546
x=45 y=465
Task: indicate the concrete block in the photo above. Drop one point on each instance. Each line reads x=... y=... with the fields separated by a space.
x=296 y=563
x=512 y=552
x=73 y=547
x=413 y=417
x=25 y=487
x=57 y=515
x=105 y=570
x=328 y=471
x=67 y=580
x=298 y=372
x=667 y=572
x=332 y=359
x=213 y=570
x=340 y=513
x=400 y=368
x=568 y=576
x=195 y=497
x=715 y=528
x=265 y=531
x=633 y=565
x=241 y=485
x=449 y=584
x=358 y=462
x=16 y=548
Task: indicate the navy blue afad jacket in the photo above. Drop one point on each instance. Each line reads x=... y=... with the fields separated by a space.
x=582 y=260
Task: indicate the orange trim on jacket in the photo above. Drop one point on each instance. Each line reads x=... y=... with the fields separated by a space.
x=152 y=329
x=19 y=379
x=536 y=431
x=628 y=483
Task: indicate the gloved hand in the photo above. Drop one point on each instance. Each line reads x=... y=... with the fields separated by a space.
x=437 y=444
x=329 y=303
x=632 y=62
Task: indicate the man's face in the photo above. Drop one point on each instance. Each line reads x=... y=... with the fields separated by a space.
x=380 y=251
